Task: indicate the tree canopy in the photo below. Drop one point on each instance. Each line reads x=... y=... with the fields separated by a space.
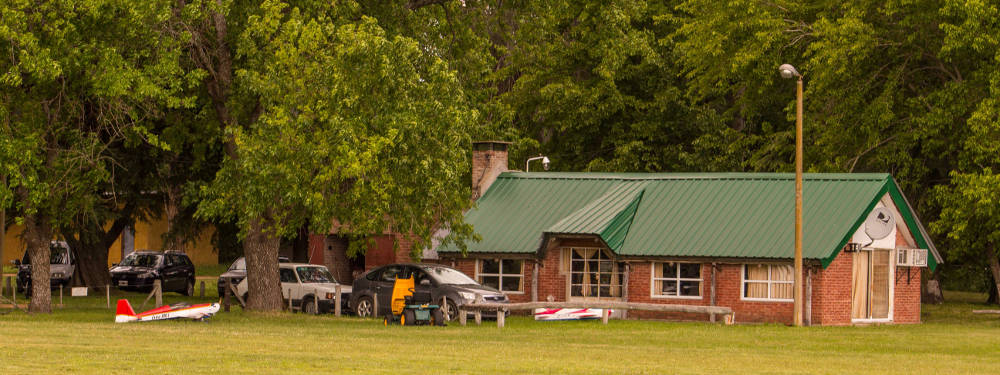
x=77 y=78
x=285 y=114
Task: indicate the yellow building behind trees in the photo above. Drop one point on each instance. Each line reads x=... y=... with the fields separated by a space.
x=145 y=236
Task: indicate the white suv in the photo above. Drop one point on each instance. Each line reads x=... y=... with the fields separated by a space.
x=311 y=288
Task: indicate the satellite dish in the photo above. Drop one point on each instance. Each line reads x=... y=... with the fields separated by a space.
x=879 y=223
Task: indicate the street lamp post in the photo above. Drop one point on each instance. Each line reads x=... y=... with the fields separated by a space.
x=544 y=159
x=788 y=71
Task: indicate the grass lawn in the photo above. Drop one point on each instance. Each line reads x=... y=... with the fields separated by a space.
x=81 y=338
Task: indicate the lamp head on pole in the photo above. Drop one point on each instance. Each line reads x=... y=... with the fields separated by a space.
x=788 y=71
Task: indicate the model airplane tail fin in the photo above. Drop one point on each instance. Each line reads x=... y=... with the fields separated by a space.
x=124 y=308
x=124 y=313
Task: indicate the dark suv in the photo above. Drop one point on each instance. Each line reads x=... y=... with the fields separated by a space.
x=138 y=270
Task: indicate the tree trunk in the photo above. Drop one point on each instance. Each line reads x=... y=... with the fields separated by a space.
x=90 y=243
x=3 y=232
x=91 y=265
x=38 y=235
x=261 y=251
x=994 y=268
x=175 y=241
x=932 y=289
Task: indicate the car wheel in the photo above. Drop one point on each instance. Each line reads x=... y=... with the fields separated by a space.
x=364 y=308
x=437 y=317
x=189 y=289
x=309 y=306
x=452 y=311
x=407 y=318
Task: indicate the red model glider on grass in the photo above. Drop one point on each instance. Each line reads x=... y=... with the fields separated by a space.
x=125 y=314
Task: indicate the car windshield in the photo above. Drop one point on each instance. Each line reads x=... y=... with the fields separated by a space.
x=240 y=264
x=314 y=275
x=58 y=254
x=448 y=276
x=141 y=260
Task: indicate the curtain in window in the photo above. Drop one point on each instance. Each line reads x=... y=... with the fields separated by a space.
x=586 y=254
x=616 y=289
x=782 y=290
x=567 y=256
x=657 y=274
x=756 y=272
x=859 y=288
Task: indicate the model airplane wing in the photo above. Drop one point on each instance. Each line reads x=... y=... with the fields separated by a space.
x=569 y=314
x=125 y=314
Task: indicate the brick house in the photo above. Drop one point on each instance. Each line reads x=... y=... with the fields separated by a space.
x=721 y=239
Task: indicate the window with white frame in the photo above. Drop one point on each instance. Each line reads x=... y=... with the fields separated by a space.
x=772 y=282
x=593 y=273
x=674 y=279
x=505 y=275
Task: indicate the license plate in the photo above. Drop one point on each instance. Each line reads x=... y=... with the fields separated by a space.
x=122 y=283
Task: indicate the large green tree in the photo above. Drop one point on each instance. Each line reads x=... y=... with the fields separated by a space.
x=326 y=119
x=970 y=202
x=76 y=76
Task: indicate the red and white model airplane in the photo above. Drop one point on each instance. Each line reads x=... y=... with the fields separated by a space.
x=570 y=314
x=125 y=314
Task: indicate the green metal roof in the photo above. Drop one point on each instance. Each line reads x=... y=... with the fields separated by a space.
x=608 y=217
x=733 y=215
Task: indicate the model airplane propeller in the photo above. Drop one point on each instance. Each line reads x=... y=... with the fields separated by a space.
x=125 y=314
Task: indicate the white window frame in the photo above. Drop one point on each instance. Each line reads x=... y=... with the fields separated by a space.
x=501 y=275
x=569 y=275
x=653 y=293
x=770 y=281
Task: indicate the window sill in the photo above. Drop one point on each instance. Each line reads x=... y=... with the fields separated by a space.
x=677 y=297
x=866 y=321
x=767 y=300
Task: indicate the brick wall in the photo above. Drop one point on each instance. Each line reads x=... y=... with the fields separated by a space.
x=640 y=290
x=730 y=277
x=907 y=289
x=468 y=266
x=383 y=251
x=489 y=159
x=832 y=291
x=907 y=296
x=335 y=259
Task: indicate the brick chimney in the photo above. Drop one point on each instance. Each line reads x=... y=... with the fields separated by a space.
x=489 y=159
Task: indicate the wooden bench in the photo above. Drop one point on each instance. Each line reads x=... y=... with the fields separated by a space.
x=986 y=311
x=501 y=308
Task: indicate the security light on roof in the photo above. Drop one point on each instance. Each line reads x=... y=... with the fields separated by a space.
x=544 y=159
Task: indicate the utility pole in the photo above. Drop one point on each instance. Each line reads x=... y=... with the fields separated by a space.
x=789 y=71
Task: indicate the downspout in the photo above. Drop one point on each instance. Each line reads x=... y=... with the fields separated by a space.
x=809 y=295
x=628 y=269
x=534 y=281
x=712 y=296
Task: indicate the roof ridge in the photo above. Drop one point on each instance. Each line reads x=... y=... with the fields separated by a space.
x=701 y=176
